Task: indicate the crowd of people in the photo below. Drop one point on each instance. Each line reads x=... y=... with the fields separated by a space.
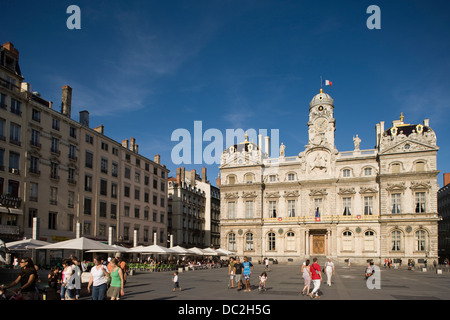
x=107 y=278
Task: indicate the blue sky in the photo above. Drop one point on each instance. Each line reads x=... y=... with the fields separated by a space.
x=146 y=68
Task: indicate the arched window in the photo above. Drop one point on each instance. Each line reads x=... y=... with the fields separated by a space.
x=369 y=241
x=346 y=173
x=290 y=241
x=291 y=176
x=395 y=168
x=248 y=178
x=231 y=179
x=368 y=171
x=347 y=241
x=249 y=242
x=396 y=240
x=271 y=241
x=421 y=237
x=232 y=242
x=420 y=166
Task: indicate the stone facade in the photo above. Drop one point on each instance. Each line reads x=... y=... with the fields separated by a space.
x=60 y=178
x=358 y=205
x=194 y=210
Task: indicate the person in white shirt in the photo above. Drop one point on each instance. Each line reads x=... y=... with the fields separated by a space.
x=329 y=270
x=175 y=280
x=97 y=280
x=77 y=275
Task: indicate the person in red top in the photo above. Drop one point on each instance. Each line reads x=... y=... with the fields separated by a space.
x=316 y=276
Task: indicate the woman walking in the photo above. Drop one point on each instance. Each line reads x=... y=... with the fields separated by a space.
x=68 y=281
x=97 y=280
x=306 y=277
x=116 y=287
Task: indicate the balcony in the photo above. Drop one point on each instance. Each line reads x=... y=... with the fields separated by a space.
x=14 y=141
x=4 y=229
x=8 y=85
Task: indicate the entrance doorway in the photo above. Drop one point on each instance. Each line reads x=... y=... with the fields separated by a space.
x=318 y=245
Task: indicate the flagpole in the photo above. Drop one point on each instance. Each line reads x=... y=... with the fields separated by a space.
x=321 y=82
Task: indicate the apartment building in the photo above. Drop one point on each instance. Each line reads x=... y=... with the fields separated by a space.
x=194 y=210
x=73 y=178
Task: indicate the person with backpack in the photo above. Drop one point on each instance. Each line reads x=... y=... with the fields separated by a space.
x=316 y=276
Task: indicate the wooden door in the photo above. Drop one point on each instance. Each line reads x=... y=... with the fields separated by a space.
x=318 y=244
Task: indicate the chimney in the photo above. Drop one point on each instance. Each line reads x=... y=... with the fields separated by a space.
x=183 y=175
x=10 y=47
x=157 y=159
x=125 y=143
x=260 y=142
x=426 y=122
x=446 y=179
x=99 y=129
x=66 y=101
x=179 y=176
x=192 y=177
x=84 y=118
x=204 y=174
x=25 y=87
x=267 y=145
x=133 y=144
x=218 y=181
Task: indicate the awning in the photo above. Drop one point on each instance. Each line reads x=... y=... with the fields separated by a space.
x=4 y=209
x=15 y=211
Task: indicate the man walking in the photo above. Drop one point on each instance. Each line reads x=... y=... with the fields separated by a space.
x=329 y=269
x=316 y=276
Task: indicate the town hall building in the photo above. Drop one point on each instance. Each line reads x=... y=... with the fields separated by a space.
x=358 y=205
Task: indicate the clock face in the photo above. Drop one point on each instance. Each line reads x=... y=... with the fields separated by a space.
x=321 y=124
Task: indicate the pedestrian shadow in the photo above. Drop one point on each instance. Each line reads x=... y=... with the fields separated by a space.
x=137 y=285
x=165 y=298
x=138 y=292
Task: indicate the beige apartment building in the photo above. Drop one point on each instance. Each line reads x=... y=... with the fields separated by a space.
x=194 y=210
x=75 y=180
x=357 y=204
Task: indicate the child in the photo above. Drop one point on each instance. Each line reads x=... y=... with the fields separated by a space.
x=262 y=281
x=176 y=284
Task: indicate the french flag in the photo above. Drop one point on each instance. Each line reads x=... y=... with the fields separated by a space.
x=327 y=83
x=317 y=215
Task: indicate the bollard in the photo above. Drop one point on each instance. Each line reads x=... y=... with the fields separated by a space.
x=424 y=269
x=439 y=271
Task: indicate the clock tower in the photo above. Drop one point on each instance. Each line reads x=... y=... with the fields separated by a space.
x=321 y=124
x=320 y=152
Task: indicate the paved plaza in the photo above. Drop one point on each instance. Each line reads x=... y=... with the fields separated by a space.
x=285 y=283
